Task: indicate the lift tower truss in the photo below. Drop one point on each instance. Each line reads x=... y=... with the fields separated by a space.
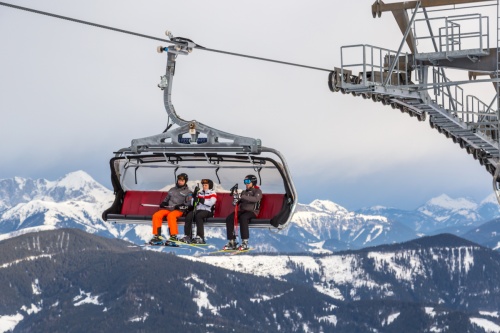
x=416 y=82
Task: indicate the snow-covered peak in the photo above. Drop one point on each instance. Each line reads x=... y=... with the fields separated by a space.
x=73 y=183
x=328 y=206
x=490 y=199
x=74 y=200
x=76 y=180
x=449 y=212
x=76 y=185
x=445 y=202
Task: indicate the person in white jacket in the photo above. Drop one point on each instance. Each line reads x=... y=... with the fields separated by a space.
x=204 y=202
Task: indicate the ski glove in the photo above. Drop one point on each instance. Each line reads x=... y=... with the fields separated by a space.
x=163 y=205
x=236 y=199
x=195 y=193
x=201 y=200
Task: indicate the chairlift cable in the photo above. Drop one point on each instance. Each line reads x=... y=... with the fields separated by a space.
x=158 y=39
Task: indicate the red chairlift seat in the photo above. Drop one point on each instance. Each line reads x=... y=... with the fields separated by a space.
x=133 y=210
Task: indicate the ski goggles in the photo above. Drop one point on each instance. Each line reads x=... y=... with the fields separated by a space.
x=205 y=181
x=181 y=178
x=247 y=181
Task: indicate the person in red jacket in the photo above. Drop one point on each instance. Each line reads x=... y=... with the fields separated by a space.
x=249 y=206
x=173 y=206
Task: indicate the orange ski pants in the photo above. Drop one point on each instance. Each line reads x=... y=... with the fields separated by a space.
x=171 y=219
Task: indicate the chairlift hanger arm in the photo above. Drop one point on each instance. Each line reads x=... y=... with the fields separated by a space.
x=175 y=137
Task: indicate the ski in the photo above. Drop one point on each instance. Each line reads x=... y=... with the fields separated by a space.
x=170 y=243
x=239 y=251
x=199 y=246
x=230 y=252
x=166 y=243
x=221 y=251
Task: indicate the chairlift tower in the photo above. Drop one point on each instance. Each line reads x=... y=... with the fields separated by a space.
x=441 y=35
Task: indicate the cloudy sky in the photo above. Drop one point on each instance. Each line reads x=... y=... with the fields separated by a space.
x=71 y=94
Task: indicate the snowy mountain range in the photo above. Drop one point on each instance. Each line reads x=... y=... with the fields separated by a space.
x=67 y=280
x=365 y=271
x=444 y=212
x=384 y=271
x=77 y=200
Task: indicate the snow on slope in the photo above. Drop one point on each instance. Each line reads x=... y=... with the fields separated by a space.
x=75 y=200
x=328 y=220
x=350 y=269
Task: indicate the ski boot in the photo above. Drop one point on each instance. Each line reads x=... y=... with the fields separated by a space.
x=185 y=239
x=244 y=245
x=198 y=240
x=157 y=240
x=231 y=245
x=171 y=240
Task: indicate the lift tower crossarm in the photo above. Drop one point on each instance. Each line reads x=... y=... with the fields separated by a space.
x=398 y=9
x=379 y=6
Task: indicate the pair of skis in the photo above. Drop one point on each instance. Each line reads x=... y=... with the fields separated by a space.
x=202 y=247
x=170 y=243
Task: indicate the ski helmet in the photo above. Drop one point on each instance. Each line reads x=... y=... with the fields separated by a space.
x=209 y=182
x=252 y=179
x=182 y=176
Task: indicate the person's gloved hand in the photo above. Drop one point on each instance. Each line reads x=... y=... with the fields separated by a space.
x=181 y=207
x=163 y=204
x=236 y=199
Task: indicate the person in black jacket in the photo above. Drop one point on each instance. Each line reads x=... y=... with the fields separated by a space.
x=248 y=208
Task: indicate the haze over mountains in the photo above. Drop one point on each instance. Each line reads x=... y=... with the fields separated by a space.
x=76 y=200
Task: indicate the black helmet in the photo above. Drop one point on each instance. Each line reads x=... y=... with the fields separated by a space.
x=252 y=178
x=209 y=182
x=182 y=176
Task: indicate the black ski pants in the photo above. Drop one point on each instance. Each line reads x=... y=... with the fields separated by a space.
x=243 y=221
x=198 y=218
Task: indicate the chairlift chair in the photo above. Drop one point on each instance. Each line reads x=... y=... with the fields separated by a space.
x=142 y=173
